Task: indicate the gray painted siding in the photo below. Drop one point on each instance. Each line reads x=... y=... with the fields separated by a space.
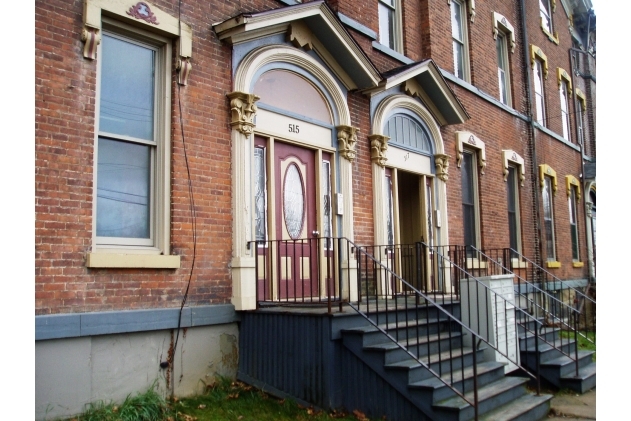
x=59 y=326
x=302 y=356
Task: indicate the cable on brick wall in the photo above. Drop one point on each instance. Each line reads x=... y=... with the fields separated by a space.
x=192 y=211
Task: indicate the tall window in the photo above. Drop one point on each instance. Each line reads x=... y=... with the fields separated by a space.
x=573 y=224
x=131 y=202
x=503 y=73
x=546 y=17
x=469 y=199
x=513 y=210
x=540 y=103
x=260 y=194
x=459 y=37
x=579 y=120
x=565 y=115
x=548 y=218
x=389 y=29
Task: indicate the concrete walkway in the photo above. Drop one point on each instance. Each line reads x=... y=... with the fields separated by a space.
x=574 y=407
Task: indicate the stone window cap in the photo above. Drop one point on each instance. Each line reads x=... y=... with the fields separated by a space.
x=509 y=155
x=500 y=23
x=471 y=141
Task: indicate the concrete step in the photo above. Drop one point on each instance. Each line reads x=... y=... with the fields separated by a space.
x=491 y=396
x=585 y=381
x=525 y=408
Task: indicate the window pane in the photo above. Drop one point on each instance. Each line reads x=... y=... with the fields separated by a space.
x=386 y=25
x=539 y=94
x=548 y=219
x=293 y=201
x=457 y=33
x=260 y=195
x=565 y=118
x=389 y=211
x=328 y=215
x=123 y=183
x=512 y=209
x=127 y=89
x=468 y=201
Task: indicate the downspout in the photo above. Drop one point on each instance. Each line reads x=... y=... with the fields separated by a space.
x=590 y=260
x=531 y=135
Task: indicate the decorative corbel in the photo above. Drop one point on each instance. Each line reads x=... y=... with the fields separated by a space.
x=92 y=38
x=441 y=161
x=535 y=52
x=378 y=148
x=562 y=75
x=474 y=142
x=346 y=139
x=546 y=170
x=500 y=22
x=510 y=155
x=299 y=35
x=243 y=110
x=183 y=68
x=570 y=181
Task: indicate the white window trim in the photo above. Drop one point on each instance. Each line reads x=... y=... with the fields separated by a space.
x=397 y=30
x=475 y=152
x=550 y=33
x=472 y=142
x=465 y=42
x=131 y=255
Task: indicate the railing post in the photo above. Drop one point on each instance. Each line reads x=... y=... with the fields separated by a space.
x=475 y=378
x=537 y=356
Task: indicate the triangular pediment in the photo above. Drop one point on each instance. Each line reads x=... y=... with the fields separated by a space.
x=424 y=81
x=311 y=26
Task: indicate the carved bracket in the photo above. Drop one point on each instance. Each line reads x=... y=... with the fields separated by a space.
x=299 y=35
x=546 y=170
x=512 y=156
x=441 y=161
x=183 y=67
x=92 y=38
x=570 y=181
x=243 y=110
x=378 y=148
x=472 y=141
x=346 y=140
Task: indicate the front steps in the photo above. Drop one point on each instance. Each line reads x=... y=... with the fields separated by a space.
x=500 y=397
x=558 y=369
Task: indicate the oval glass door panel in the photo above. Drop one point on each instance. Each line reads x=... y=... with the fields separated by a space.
x=293 y=201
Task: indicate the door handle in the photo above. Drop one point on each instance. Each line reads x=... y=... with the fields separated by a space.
x=316 y=233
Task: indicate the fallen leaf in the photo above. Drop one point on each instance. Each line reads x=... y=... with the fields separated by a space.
x=360 y=415
x=201 y=406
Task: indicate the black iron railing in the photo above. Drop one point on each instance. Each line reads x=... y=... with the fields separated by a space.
x=547 y=296
x=375 y=280
x=382 y=290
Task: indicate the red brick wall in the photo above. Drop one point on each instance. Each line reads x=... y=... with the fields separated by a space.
x=65 y=107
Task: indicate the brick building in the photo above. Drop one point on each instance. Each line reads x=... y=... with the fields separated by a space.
x=172 y=135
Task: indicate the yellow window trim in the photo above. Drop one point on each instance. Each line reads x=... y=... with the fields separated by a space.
x=546 y=170
x=562 y=75
x=577 y=264
x=581 y=98
x=536 y=53
x=501 y=23
x=570 y=181
x=553 y=265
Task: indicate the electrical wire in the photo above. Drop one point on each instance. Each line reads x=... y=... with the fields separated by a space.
x=193 y=215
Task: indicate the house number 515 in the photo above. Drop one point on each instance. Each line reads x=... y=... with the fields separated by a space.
x=294 y=128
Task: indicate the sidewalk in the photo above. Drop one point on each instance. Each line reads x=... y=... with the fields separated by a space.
x=574 y=407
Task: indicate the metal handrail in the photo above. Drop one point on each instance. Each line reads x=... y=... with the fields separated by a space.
x=572 y=313
x=388 y=275
x=552 y=301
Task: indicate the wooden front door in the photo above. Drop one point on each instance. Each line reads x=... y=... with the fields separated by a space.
x=296 y=221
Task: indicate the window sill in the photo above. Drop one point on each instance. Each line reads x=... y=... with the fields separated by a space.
x=519 y=264
x=116 y=260
x=474 y=263
x=553 y=265
x=554 y=38
x=577 y=264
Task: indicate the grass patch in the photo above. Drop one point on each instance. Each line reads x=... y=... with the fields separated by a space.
x=225 y=401
x=236 y=401
x=583 y=343
x=148 y=406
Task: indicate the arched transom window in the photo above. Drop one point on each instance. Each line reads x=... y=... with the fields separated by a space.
x=407 y=133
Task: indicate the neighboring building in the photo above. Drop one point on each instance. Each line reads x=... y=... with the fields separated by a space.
x=171 y=135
